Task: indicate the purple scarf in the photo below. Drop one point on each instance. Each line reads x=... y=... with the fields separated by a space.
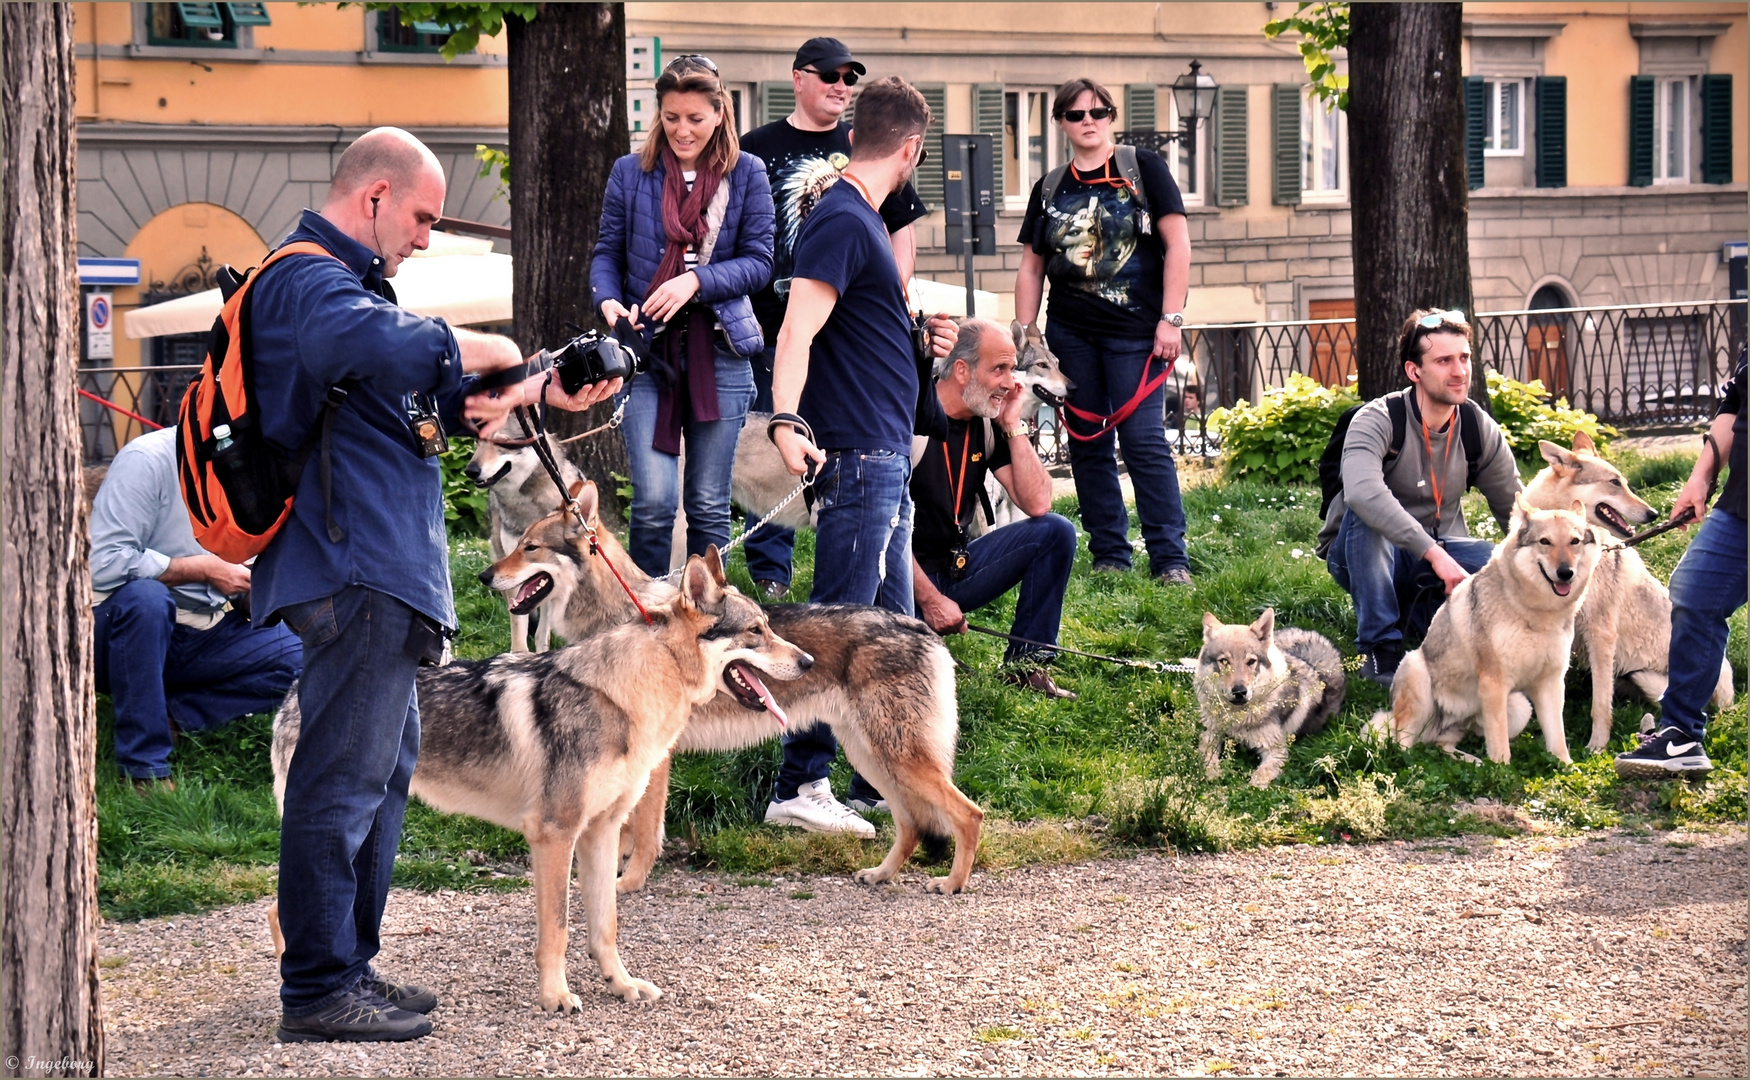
x=687 y=362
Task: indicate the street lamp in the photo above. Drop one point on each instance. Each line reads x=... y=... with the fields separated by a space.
x=1194 y=96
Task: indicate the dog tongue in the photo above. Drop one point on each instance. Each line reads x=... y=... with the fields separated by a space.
x=765 y=695
x=530 y=588
x=1562 y=588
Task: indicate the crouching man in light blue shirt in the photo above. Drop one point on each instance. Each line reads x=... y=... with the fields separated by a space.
x=172 y=647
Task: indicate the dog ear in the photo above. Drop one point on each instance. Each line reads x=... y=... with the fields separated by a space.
x=698 y=588
x=1557 y=456
x=1020 y=332
x=1210 y=622
x=714 y=563
x=1583 y=441
x=588 y=499
x=1266 y=625
x=1578 y=509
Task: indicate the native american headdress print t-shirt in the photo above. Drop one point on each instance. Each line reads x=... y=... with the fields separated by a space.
x=1102 y=259
x=801 y=166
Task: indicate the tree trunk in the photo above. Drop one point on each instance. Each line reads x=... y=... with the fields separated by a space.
x=567 y=125
x=48 y=723
x=1406 y=179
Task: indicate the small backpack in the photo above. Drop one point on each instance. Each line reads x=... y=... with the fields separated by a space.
x=1470 y=433
x=237 y=487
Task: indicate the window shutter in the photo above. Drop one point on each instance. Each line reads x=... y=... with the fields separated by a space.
x=777 y=100
x=928 y=180
x=987 y=111
x=255 y=14
x=1476 y=128
x=1139 y=107
x=201 y=16
x=1716 y=129
x=1285 y=120
x=1551 y=93
x=1230 y=146
x=1641 y=106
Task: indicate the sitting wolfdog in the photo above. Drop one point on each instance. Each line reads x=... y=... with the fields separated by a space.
x=1263 y=687
x=1501 y=642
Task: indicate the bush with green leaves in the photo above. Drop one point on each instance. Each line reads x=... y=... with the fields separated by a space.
x=1525 y=414
x=1280 y=439
x=465 y=507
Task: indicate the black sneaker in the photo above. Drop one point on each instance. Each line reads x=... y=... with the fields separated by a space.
x=1668 y=752
x=1381 y=663
x=359 y=1016
x=414 y=999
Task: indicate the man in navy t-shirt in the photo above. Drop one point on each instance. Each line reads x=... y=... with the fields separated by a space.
x=846 y=378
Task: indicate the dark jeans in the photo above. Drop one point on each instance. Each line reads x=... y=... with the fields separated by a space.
x=862 y=555
x=156 y=671
x=1106 y=372
x=1381 y=577
x=770 y=551
x=346 y=789
x=1707 y=586
x=1035 y=553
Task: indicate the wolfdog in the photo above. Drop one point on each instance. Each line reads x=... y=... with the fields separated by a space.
x=1501 y=642
x=560 y=745
x=1624 y=628
x=884 y=682
x=519 y=493
x=1263 y=686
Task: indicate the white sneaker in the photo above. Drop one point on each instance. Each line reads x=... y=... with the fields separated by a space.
x=816 y=810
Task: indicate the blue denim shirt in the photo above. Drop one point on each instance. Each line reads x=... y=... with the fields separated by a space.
x=315 y=322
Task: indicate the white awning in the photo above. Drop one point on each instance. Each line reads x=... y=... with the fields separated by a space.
x=460 y=289
x=941 y=298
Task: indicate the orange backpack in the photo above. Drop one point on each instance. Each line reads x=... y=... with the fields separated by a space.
x=238 y=488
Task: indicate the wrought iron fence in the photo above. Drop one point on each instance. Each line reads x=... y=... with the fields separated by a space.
x=1634 y=365
x=137 y=398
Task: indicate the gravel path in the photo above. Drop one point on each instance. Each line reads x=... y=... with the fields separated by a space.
x=1607 y=954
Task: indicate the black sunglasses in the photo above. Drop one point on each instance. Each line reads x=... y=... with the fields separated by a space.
x=1098 y=112
x=832 y=77
x=692 y=60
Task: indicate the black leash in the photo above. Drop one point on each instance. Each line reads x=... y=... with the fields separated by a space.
x=1147 y=665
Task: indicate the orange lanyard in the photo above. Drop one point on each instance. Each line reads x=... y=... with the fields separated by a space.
x=870 y=199
x=1434 y=474
x=958 y=487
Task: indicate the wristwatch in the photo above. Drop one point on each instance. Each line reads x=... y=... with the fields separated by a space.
x=1018 y=433
x=1176 y=318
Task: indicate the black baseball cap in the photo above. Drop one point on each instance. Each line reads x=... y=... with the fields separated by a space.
x=826 y=54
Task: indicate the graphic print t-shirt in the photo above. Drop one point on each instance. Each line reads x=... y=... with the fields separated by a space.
x=801 y=166
x=1105 y=273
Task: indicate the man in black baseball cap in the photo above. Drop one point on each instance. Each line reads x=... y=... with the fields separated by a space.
x=825 y=54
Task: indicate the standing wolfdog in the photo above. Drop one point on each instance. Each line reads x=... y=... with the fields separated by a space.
x=884 y=682
x=1501 y=642
x=559 y=746
x=1262 y=687
x=1624 y=628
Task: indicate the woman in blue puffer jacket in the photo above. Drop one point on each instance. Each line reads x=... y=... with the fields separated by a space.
x=686 y=236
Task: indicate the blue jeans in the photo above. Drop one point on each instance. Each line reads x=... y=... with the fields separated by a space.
x=156 y=671
x=1707 y=586
x=1380 y=577
x=346 y=789
x=1106 y=372
x=1035 y=553
x=656 y=480
x=862 y=555
x=770 y=551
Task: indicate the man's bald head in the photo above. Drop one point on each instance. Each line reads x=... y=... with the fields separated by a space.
x=385 y=153
x=979 y=337
x=388 y=192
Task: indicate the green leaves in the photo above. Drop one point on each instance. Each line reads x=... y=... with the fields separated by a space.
x=465 y=505
x=1525 y=414
x=1324 y=28
x=1280 y=439
x=491 y=159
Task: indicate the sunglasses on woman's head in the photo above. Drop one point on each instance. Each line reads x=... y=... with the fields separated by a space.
x=1435 y=318
x=831 y=77
x=1098 y=112
x=692 y=60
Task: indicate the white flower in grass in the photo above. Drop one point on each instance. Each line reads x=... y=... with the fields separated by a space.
x=1215 y=517
x=1295 y=553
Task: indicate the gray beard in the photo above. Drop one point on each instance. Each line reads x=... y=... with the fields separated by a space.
x=976 y=399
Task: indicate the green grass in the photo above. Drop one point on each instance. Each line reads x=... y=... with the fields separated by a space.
x=1060 y=781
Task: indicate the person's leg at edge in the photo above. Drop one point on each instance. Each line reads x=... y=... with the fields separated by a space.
x=1094 y=464
x=711 y=457
x=1154 y=475
x=770 y=550
x=891 y=476
x=133 y=633
x=1035 y=553
x=345 y=788
x=214 y=676
x=1706 y=587
x=655 y=483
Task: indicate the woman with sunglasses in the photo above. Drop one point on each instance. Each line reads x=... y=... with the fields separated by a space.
x=1118 y=259
x=686 y=236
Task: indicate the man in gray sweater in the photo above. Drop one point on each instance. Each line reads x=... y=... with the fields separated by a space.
x=1405 y=468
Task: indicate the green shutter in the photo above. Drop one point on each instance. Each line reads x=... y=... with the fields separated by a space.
x=1139 y=107
x=1551 y=96
x=987 y=112
x=1476 y=128
x=928 y=180
x=1716 y=129
x=254 y=14
x=201 y=16
x=777 y=100
x=1230 y=146
x=1641 y=106
x=1285 y=120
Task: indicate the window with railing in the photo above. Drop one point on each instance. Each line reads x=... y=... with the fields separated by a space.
x=211 y=25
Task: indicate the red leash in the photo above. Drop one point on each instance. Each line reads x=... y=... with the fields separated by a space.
x=596 y=549
x=1144 y=388
x=106 y=403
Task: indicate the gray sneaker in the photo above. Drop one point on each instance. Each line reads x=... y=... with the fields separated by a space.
x=414 y=999
x=359 y=1016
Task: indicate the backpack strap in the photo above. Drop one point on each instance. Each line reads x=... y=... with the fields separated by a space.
x=990 y=514
x=1047 y=196
x=1132 y=173
x=1399 y=410
x=1470 y=433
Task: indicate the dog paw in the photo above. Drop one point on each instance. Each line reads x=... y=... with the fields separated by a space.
x=871 y=876
x=940 y=885
x=629 y=884
x=1595 y=746
x=560 y=1001
x=630 y=989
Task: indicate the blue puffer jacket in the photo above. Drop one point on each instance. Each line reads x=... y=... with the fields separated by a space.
x=632 y=242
